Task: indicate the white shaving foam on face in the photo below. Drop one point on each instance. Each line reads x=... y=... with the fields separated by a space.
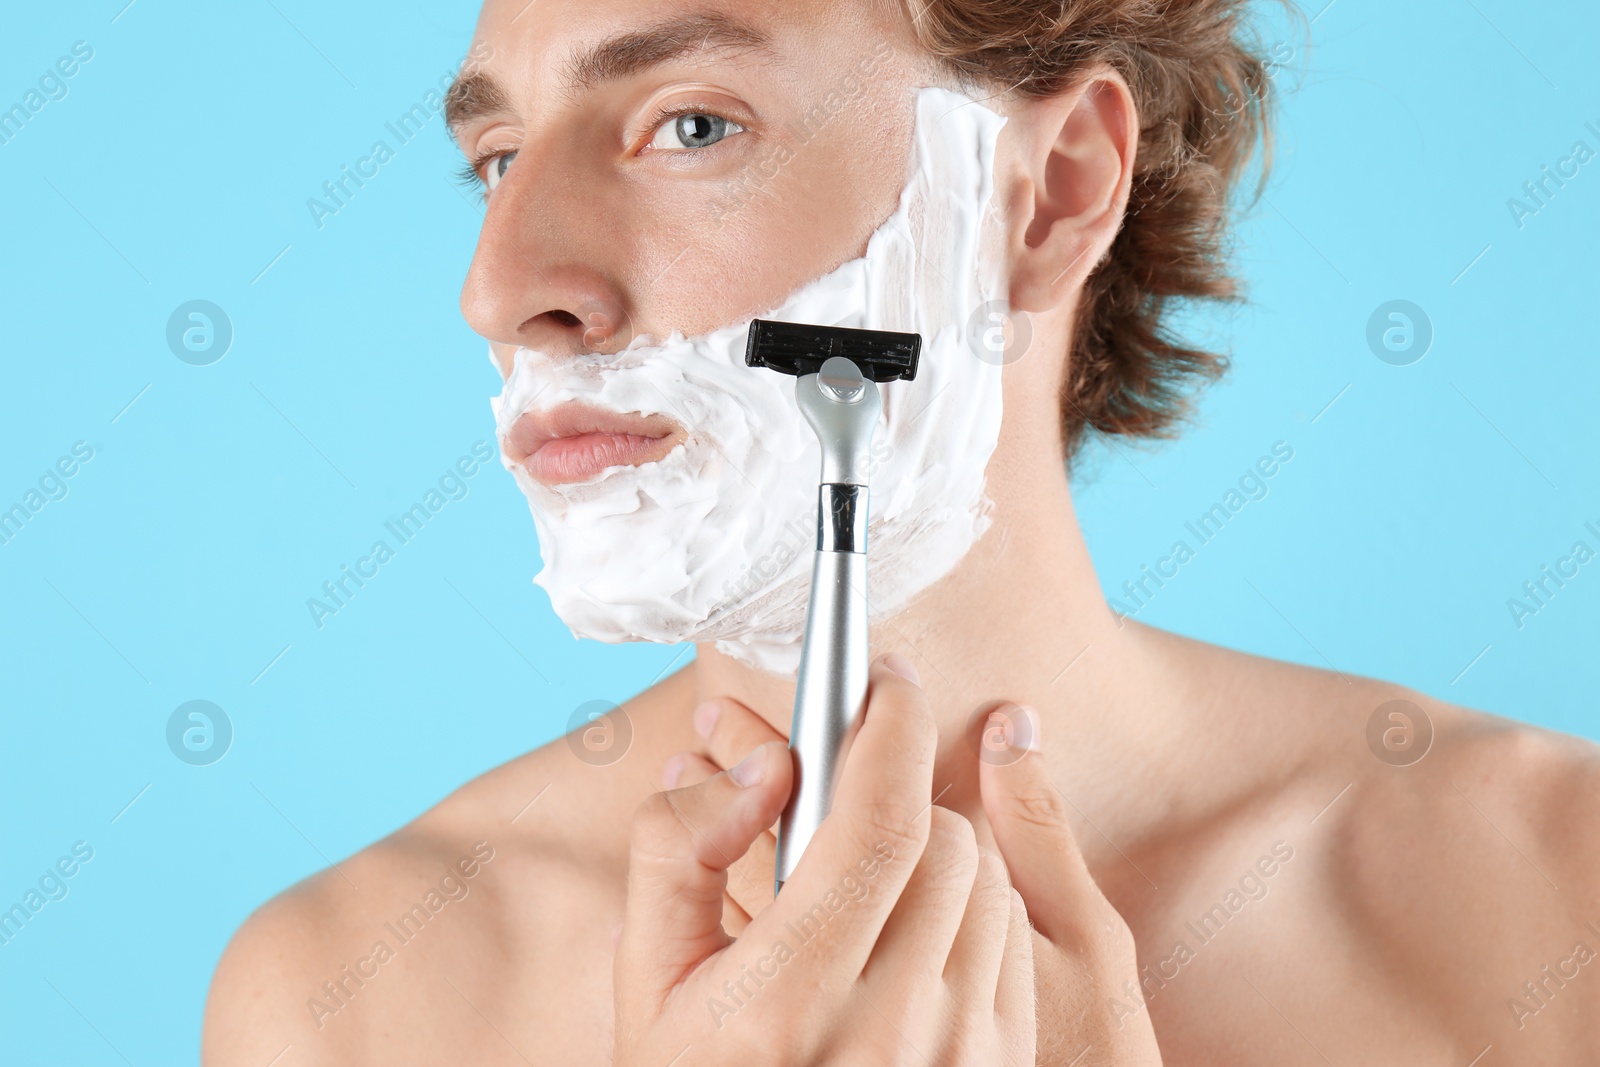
x=715 y=540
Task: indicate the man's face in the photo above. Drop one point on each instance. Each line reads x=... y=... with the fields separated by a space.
x=678 y=164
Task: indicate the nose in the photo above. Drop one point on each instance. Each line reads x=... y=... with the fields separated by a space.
x=533 y=285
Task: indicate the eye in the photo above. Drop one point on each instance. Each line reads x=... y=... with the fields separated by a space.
x=694 y=129
x=495 y=167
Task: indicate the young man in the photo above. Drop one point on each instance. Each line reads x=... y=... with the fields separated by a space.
x=1223 y=859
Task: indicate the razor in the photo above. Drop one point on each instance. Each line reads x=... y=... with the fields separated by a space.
x=837 y=371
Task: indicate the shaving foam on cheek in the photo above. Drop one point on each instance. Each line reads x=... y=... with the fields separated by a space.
x=714 y=541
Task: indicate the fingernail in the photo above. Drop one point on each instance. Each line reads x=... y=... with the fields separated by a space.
x=902 y=666
x=673 y=771
x=705 y=717
x=750 y=770
x=1029 y=723
x=1019 y=725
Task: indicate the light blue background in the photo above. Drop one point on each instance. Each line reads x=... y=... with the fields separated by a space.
x=221 y=497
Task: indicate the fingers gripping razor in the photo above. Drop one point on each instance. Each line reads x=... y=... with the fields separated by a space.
x=838 y=370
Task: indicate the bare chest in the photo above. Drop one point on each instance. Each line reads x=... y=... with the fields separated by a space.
x=1258 y=961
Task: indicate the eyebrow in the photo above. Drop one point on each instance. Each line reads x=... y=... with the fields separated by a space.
x=476 y=95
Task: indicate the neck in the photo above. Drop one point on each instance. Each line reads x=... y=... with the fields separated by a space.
x=1021 y=619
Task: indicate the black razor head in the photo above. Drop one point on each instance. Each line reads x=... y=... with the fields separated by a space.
x=797 y=348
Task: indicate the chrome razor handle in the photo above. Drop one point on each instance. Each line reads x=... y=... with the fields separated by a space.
x=830 y=694
x=832 y=688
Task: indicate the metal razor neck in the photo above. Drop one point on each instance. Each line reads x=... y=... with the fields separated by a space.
x=843 y=409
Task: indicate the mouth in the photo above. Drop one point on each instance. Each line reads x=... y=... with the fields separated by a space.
x=575 y=442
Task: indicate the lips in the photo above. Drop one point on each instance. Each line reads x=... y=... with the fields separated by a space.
x=576 y=442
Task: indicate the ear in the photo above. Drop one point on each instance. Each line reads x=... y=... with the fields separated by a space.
x=1078 y=152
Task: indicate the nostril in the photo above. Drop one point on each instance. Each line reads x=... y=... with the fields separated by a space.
x=591 y=326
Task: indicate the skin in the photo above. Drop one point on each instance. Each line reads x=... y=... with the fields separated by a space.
x=1374 y=912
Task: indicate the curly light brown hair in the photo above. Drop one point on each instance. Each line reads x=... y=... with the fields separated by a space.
x=1202 y=91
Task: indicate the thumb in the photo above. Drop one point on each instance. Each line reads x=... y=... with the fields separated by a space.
x=682 y=843
x=1028 y=815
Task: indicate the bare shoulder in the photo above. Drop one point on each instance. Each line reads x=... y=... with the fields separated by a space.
x=1467 y=856
x=1450 y=870
x=422 y=947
